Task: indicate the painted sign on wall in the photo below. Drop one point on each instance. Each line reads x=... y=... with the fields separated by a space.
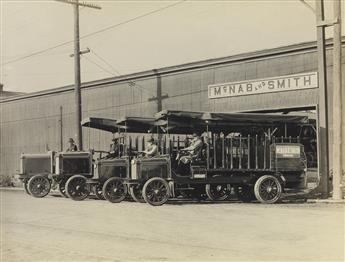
x=266 y=85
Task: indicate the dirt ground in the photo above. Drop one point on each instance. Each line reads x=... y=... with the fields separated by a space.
x=59 y=229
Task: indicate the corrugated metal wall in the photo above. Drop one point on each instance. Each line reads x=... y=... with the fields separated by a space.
x=33 y=124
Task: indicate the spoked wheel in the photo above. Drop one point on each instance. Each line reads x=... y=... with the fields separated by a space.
x=77 y=188
x=136 y=193
x=25 y=185
x=39 y=186
x=268 y=189
x=245 y=193
x=114 y=190
x=98 y=191
x=156 y=191
x=62 y=188
x=217 y=192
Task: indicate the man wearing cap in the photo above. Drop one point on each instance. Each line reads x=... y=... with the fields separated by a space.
x=151 y=148
x=191 y=151
x=72 y=147
x=114 y=147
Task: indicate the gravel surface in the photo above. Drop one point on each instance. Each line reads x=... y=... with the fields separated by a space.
x=59 y=229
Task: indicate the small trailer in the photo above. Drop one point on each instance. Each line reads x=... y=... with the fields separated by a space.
x=68 y=169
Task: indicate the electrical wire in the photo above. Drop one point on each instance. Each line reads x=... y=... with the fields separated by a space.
x=93 y=33
x=130 y=83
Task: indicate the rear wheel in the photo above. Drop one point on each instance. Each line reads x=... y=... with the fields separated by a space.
x=218 y=192
x=114 y=190
x=156 y=191
x=62 y=188
x=245 y=193
x=39 y=186
x=77 y=188
x=136 y=192
x=268 y=189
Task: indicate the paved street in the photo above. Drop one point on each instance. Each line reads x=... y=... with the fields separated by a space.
x=58 y=229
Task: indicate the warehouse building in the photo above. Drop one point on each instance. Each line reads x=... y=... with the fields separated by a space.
x=282 y=79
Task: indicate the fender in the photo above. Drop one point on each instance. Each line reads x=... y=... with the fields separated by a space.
x=280 y=178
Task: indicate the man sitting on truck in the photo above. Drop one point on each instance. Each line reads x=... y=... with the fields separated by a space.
x=151 y=148
x=72 y=147
x=114 y=150
x=187 y=154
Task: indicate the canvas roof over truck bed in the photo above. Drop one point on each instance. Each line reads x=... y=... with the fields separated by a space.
x=129 y=124
x=105 y=124
x=186 y=121
x=137 y=124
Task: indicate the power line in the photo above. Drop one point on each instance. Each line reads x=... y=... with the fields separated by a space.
x=93 y=33
x=98 y=65
x=130 y=83
x=110 y=65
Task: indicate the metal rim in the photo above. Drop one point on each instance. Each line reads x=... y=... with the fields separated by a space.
x=114 y=190
x=218 y=192
x=156 y=191
x=99 y=192
x=39 y=186
x=245 y=193
x=268 y=189
x=62 y=188
x=136 y=192
x=77 y=188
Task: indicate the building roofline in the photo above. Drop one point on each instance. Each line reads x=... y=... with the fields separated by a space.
x=266 y=53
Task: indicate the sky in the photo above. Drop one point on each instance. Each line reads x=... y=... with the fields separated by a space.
x=181 y=32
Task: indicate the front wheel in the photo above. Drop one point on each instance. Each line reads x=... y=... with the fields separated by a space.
x=114 y=190
x=39 y=186
x=99 y=191
x=77 y=188
x=217 y=192
x=156 y=191
x=268 y=189
x=62 y=188
x=136 y=192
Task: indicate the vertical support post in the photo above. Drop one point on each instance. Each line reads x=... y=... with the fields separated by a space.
x=61 y=130
x=265 y=152
x=223 y=152
x=136 y=144
x=256 y=152
x=231 y=154
x=240 y=154
x=214 y=151
x=323 y=143
x=77 y=80
x=337 y=105
x=159 y=91
x=248 y=152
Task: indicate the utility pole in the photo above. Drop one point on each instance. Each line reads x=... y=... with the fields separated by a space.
x=338 y=166
x=159 y=97
x=323 y=143
x=77 y=79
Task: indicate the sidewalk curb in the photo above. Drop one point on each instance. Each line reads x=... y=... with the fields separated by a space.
x=326 y=201
x=12 y=188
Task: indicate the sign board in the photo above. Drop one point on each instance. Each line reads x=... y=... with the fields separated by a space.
x=265 y=85
x=288 y=151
